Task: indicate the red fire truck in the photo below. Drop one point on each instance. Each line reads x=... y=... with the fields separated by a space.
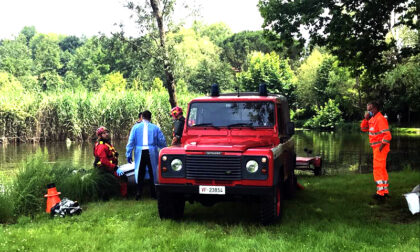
x=234 y=146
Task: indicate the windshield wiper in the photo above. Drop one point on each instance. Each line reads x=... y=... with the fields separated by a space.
x=240 y=125
x=206 y=124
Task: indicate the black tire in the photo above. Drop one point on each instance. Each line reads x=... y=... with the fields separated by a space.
x=178 y=204
x=318 y=171
x=290 y=186
x=271 y=207
x=290 y=183
x=170 y=206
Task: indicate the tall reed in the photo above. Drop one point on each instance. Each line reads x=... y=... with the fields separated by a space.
x=75 y=114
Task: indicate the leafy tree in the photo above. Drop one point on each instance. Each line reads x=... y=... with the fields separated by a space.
x=15 y=57
x=237 y=47
x=28 y=32
x=353 y=30
x=9 y=84
x=196 y=60
x=70 y=44
x=217 y=32
x=50 y=80
x=327 y=117
x=157 y=85
x=114 y=82
x=88 y=63
x=46 y=53
x=154 y=16
x=306 y=75
x=270 y=69
x=403 y=89
x=130 y=56
x=320 y=78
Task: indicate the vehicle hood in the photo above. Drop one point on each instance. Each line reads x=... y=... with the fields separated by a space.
x=222 y=146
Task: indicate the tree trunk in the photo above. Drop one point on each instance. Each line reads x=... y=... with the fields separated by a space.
x=170 y=79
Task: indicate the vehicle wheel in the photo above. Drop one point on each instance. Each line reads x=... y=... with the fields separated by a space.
x=271 y=207
x=178 y=204
x=291 y=186
x=170 y=206
x=318 y=171
x=164 y=206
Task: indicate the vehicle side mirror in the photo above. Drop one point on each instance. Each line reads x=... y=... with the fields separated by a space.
x=290 y=128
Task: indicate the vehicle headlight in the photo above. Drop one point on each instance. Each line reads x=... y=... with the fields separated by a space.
x=252 y=166
x=176 y=164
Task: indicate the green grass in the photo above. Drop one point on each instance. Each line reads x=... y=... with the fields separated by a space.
x=333 y=213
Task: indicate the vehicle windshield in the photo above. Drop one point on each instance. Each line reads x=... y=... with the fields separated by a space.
x=231 y=114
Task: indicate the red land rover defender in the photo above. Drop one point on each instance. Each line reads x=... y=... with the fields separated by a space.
x=233 y=146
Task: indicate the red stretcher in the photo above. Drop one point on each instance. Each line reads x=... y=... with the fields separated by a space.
x=313 y=164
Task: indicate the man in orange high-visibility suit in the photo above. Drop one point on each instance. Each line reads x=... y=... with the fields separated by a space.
x=379 y=137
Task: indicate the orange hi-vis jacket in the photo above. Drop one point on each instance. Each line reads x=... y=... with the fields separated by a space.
x=378 y=130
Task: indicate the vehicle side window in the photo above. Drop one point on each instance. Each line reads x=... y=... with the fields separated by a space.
x=192 y=118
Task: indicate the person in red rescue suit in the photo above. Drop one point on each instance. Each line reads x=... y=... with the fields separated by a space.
x=106 y=158
x=179 y=121
x=380 y=138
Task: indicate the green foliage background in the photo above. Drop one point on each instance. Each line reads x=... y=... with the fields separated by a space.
x=54 y=87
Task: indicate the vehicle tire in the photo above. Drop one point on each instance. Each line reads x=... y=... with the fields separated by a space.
x=164 y=205
x=170 y=206
x=291 y=186
x=271 y=207
x=318 y=170
x=178 y=205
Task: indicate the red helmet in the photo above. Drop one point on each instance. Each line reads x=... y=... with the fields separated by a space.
x=101 y=130
x=176 y=111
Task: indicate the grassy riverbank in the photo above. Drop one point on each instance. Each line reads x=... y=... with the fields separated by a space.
x=332 y=213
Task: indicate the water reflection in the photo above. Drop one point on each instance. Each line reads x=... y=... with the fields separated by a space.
x=350 y=152
x=341 y=152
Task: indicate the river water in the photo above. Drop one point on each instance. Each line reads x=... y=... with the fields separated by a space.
x=341 y=152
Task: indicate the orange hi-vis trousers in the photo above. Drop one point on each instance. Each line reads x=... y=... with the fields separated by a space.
x=380 y=175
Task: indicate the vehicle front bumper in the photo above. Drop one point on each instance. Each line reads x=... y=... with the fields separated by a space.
x=230 y=190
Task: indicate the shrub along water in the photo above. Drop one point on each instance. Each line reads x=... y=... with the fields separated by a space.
x=25 y=195
x=30 y=185
x=76 y=114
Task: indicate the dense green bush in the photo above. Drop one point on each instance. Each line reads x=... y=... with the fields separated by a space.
x=30 y=185
x=327 y=117
x=25 y=196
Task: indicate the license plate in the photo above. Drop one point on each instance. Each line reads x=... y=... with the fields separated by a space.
x=212 y=190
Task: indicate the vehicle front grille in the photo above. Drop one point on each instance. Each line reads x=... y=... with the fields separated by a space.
x=213 y=167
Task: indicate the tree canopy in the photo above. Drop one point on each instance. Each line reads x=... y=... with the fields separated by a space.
x=352 y=30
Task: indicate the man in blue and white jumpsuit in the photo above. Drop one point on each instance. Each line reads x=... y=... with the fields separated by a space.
x=145 y=139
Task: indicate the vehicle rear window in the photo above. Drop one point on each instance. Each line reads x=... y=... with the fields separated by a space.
x=224 y=114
